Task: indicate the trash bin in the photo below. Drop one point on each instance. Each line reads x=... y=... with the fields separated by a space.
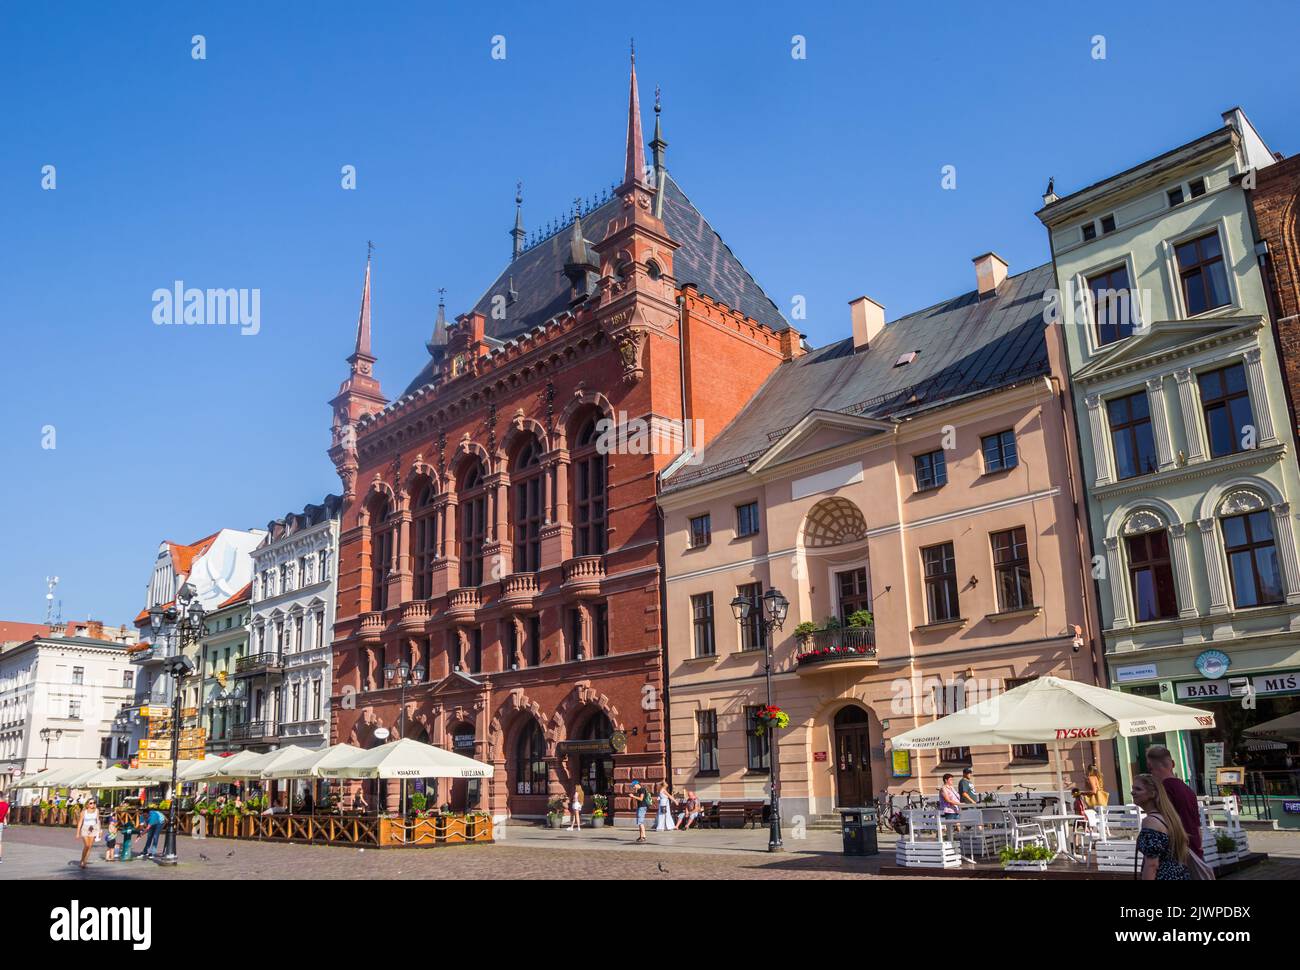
x=859 y=827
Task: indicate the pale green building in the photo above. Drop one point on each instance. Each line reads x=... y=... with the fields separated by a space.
x=1188 y=457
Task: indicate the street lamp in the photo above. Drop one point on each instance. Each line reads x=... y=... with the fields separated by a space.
x=48 y=735
x=771 y=612
x=178 y=628
x=400 y=674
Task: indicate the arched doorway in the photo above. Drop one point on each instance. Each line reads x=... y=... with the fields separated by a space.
x=596 y=767
x=853 y=757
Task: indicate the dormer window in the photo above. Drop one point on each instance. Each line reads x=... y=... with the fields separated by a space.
x=1196 y=187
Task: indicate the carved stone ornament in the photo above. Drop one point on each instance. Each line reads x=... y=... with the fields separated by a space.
x=1143 y=520
x=1243 y=500
x=631 y=345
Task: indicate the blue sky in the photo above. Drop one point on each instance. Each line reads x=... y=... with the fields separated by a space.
x=822 y=174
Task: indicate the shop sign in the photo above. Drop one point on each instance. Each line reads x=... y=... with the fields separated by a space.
x=1277 y=683
x=1135 y=672
x=819 y=756
x=381 y=733
x=1219 y=690
x=1203 y=690
x=461 y=742
x=1213 y=664
x=1291 y=808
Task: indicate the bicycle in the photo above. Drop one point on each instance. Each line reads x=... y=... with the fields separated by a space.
x=889 y=815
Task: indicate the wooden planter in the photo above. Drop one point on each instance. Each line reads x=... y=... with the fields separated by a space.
x=456 y=830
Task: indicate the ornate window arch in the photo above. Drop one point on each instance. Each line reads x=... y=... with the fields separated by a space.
x=424 y=537
x=471 y=490
x=589 y=488
x=1149 y=558
x=526 y=507
x=1247 y=524
x=833 y=522
x=530 y=760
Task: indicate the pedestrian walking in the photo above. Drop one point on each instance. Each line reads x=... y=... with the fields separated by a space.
x=664 y=819
x=575 y=809
x=88 y=830
x=1160 y=763
x=641 y=800
x=4 y=815
x=966 y=789
x=1162 y=843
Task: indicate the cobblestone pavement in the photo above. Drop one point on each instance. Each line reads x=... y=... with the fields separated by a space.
x=527 y=852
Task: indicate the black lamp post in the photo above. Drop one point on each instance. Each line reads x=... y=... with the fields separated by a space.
x=48 y=735
x=400 y=674
x=180 y=626
x=771 y=613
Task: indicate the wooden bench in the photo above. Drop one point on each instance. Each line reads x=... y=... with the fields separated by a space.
x=734 y=815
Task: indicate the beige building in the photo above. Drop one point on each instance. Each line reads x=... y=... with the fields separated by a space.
x=919 y=472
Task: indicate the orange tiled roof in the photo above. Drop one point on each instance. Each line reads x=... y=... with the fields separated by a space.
x=243 y=596
x=143 y=615
x=183 y=556
x=21 y=632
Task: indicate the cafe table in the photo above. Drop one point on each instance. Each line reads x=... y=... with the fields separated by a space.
x=1060 y=826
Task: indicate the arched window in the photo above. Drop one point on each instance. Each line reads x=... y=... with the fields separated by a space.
x=1150 y=567
x=588 y=491
x=381 y=553
x=1254 y=569
x=472 y=512
x=424 y=540
x=530 y=761
x=526 y=484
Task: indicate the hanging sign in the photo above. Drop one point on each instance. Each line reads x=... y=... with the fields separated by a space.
x=1213 y=664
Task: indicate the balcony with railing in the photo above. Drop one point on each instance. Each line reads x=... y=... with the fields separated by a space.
x=584 y=574
x=519 y=589
x=416 y=612
x=371 y=625
x=462 y=603
x=259 y=663
x=253 y=731
x=836 y=648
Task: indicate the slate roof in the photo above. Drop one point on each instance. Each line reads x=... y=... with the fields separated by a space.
x=966 y=346
x=542 y=289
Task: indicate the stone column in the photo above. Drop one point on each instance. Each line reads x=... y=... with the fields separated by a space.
x=1284 y=539
x=1160 y=422
x=1182 y=569
x=1100 y=446
x=1189 y=402
x=1259 y=399
x=1214 y=566
x=1118 y=598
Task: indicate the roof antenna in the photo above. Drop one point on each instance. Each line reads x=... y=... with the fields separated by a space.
x=50 y=583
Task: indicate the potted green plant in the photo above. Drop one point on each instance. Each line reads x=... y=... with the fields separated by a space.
x=1032 y=858
x=861 y=618
x=599 y=811
x=804 y=631
x=555 y=812
x=419 y=801
x=1227 y=847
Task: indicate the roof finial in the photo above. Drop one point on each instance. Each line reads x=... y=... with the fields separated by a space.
x=439 y=338
x=517 y=233
x=657 y=149
x=634 y=164
x=363 y=319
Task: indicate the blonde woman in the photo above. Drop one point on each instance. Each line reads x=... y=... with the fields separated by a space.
x=575 y=809
x=1096 y=796
x=1162 y=842
x=88 y=829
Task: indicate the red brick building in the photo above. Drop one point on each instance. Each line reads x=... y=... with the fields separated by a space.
x=496 y=536
x=1276 y=204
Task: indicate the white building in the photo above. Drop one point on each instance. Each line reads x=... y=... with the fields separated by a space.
x=218 y=567
x=58 y=697
x=286 y=673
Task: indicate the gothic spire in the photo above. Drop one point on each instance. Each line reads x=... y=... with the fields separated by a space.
x=439 y=338
x=634 y=165
x=518 y=231
x=363 y=319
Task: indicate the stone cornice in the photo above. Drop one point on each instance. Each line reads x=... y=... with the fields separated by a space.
x=1215 y=467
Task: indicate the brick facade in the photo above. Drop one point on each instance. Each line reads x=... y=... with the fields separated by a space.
x=559 y=638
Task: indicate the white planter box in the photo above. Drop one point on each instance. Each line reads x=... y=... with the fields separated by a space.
x=1026 y=865
x=927 y=854
x=1116 y=855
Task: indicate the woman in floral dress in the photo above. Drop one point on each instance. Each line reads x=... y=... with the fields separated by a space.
x=1161 y=842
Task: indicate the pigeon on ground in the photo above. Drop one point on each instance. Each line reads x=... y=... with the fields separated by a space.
x=203 y=858
x=661 y=866
x=230 y=854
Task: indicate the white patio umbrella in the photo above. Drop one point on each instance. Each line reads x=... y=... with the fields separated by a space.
x=406 y=758
x=1284 y=728
x=236 y=767
x=304 y=763
x=1051 y=710
x=53 y=778
x=210 y=769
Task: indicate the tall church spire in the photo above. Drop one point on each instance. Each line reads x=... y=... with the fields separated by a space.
x=634 y=165
x=439 y=338
x=518 y=231
x=363 y=320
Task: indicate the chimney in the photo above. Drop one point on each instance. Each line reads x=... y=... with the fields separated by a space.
x=990 y=271
x=868 y=321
